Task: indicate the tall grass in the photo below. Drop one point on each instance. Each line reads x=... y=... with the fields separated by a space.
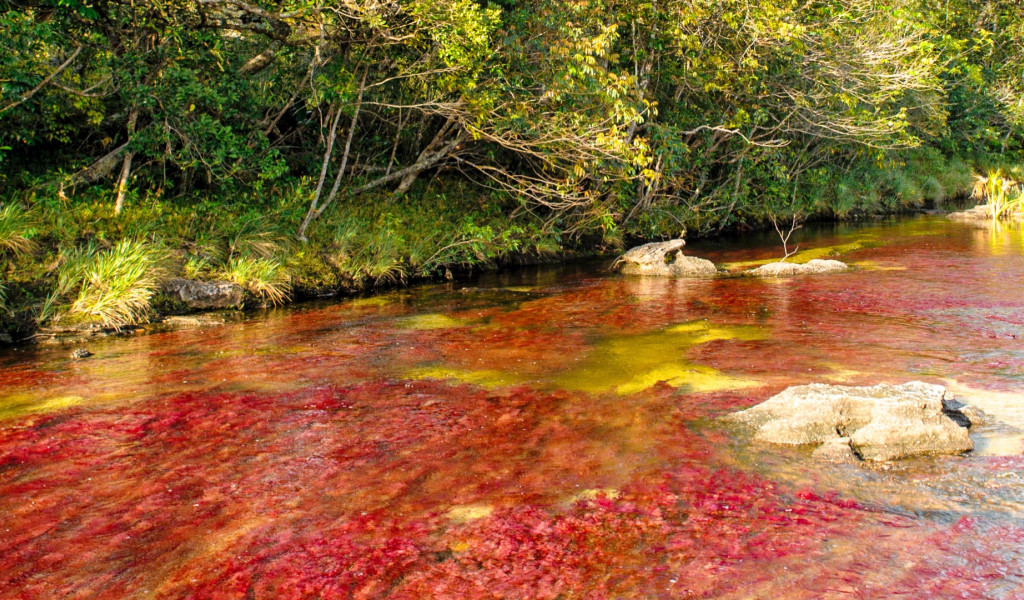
x=263 y=277
x=111 y=287
x=1003 y=195
x=16 y=224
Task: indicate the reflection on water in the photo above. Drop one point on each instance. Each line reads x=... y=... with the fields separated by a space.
x=545 y=433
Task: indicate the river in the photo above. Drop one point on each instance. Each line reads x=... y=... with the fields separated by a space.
x=545 y=433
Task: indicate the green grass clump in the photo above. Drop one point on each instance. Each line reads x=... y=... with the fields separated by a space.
x=16 y=224
x=265 y=278
x=111 y=287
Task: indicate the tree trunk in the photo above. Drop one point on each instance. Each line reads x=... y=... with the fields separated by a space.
x=301 y=234
x=126 y=168
x=425 y=156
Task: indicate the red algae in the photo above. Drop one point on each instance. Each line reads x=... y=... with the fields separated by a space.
x=291 y=457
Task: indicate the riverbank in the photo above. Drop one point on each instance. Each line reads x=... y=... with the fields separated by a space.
x=74 y=267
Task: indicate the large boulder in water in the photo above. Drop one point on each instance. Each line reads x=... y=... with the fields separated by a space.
x=664 y=259
x=785 y=269
x=204 y=294
x=878 y=423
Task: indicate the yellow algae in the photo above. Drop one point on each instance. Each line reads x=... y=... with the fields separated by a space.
x=592 y=494
x=696 y=378
x=431 y=321
x=18 y=405
x=628 y=364
x=840 y=374
x=702 y=332
x=808 y=255
x=369 y=302
x=523 y=289
x=487 y=378
x=469 y=512
x=871 y=265
x=459 y=546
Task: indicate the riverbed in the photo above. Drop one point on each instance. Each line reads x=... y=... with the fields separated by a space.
x=544 y=433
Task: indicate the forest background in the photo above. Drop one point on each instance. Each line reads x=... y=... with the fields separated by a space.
x=305 y=147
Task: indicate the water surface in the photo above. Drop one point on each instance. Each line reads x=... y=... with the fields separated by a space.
x=542 y=434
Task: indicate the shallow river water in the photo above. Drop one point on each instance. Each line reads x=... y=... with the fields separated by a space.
x=543 y=434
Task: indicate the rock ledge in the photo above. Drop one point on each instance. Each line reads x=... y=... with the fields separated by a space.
x=875 y=423
x=664 y=259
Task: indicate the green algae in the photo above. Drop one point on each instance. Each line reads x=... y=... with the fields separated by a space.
x=629 y=364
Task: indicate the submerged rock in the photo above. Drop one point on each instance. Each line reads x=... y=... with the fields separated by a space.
x=664 y=259
x=785 y=269
x=877 y=423
x=80 y=353
x=836 y=450
x=192 y=321
x=205 y=294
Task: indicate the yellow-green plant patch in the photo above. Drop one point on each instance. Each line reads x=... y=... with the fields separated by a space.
x=469 y=512
x=431 y=321
x=628 y=364
x=487 y=378
x=18 y=405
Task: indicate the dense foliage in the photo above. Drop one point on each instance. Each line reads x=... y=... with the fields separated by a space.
x=526 y=124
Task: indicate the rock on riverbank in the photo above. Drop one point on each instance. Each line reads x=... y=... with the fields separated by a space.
x=205 y=294
x=664 y=259
x=875 y=423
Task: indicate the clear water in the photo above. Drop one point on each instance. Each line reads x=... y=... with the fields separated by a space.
x=546 y=433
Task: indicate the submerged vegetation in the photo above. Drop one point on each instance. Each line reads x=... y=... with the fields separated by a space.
x=303 y=148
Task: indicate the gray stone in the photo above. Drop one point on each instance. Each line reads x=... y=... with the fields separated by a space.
x=664 y=259
x=204 y=294
x=882 y=422
x=785 y=269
